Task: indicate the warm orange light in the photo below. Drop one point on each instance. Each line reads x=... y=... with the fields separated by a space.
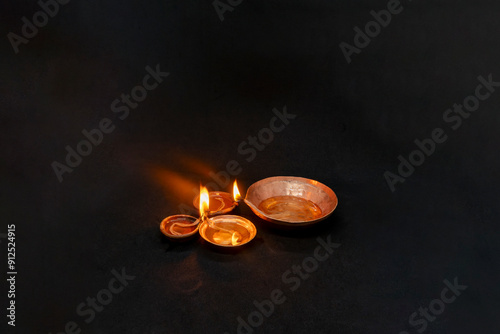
x=234 y=238
x=236 y=192
x=204 y=201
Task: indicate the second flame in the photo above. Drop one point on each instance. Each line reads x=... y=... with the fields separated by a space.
x=236 y=192
x=204 y=201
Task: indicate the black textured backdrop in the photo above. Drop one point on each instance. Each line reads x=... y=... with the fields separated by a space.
x=352 y=122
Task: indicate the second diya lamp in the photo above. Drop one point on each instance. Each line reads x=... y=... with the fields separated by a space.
x=220 y=202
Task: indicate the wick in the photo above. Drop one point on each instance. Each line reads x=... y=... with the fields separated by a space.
x=213 y=226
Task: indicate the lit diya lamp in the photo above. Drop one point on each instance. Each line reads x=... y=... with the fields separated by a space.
x=220 y=202
x=225 y=230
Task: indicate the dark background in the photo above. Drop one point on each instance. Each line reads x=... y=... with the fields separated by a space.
x=353 y=121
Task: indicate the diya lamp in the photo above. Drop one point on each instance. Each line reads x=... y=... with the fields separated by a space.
x=179 y=227
x=220 y=202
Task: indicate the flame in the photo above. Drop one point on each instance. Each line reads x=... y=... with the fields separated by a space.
x=235 y=238
x=236 y=192
x=204 y=201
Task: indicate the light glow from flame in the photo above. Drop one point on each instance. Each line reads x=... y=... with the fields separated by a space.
x=204 y=201
x=236 y=192
x=234 y=238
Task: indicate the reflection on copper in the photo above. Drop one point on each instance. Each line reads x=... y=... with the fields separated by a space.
x=227 y=231
x=235 y=238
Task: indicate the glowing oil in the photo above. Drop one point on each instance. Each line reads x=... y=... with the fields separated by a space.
x=227 y=234
x=290 y=208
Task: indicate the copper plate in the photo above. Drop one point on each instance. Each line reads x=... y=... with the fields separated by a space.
x=307 y=189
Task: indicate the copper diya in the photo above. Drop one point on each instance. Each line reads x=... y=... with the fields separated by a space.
x=179 y=227
x=291 y=201
x=226 y=230
x=220 y=203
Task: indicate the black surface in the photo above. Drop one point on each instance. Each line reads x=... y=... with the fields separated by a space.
x=352 y=122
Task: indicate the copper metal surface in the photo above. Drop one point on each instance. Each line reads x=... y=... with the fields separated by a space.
x=308 y=189
x=228 y=203
x=242 y=223
x=165 y=230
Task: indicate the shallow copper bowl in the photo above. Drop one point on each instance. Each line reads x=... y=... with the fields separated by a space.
x=237 y=222
x=164 y=227
x=308 y=189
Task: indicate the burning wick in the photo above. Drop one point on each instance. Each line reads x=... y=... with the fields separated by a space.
x=204 y=203
x=236 y=193
x=204 y=209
